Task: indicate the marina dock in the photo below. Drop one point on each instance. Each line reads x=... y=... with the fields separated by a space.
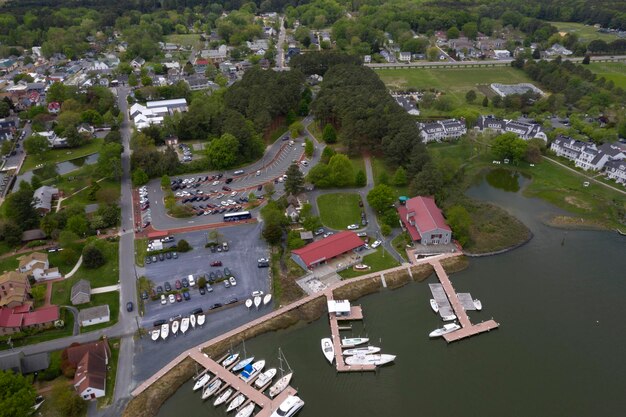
x=267 y=405
x=445 y=309
x=467 y=328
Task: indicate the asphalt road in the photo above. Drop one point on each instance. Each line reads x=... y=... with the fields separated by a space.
x=245 y=247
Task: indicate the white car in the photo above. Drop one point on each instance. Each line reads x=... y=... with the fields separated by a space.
x=361 y=234
x=376 y=244
x=163 y=299
x=234 y=193
x=353 y=227
x=327 y=234
x=172 y=299
x=231 y=202
x=257 y=293
x=224 y=203
x=258 y=173
x=232 y=280
x=215 y=183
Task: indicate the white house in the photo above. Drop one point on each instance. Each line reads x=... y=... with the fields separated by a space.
x=587 y=155
x=94 y=315
x=53 y=140
x=407 y=103
x=36 y=264
x=616 y=170
x=404 y=57
x=442 y=129
x=523 y=130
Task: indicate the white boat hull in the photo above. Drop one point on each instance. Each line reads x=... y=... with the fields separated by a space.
x=165 y=331
x=242 y=364
x=434 y=305
x=248 y=303
x=280 y=385
x=246 y=411
x=201 y=319
x=289 y=407
x=236 y=402
x=449 y=318
x=257 y=367
x=230 y=360
x=352 y=342
x=175 y=325
x=377 y=360
x=257 y=301
x=265 y=378
x=447 y=328
x=211 y=389
x=478 y=305
x=366 y=350
x=202 y=381
x=184 y=325
x=192 y=321
x=155 y=335
x=328 y=349
x=267 y=299
x=223 y=397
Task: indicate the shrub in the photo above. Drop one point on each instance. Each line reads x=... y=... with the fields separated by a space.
x=183 y=246
x=93 y=257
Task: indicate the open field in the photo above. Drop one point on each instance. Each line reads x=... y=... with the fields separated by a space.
x=190 y=39
x=61 y=155
x=338 y=210
x=611 y=71
x=378 y=167
x=584 y=32
x=377 y=261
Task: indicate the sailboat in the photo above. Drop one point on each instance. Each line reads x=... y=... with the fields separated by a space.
x=242 y=364
x=211 y=388
x=248 y=303
x=246 y=411
x=184 y=324
x=236 y=402
x=267 y=299
x=377 y=360
x=202 y=381
x=366 y=350
x=257 y=301
x=230 y=360
x=434 y=305
x=328 y=349
x=353 y=341
x=165 y=330
x=265 y=378
x=155 y=334
x=201 y=318
x=284 y=380
x=192 y=320
x=175 y=325
x=223 y=397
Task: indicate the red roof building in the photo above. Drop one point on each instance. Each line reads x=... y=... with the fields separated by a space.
x=13 y=320
x=326 y=249
x=424 y=221
x=91 y=362
x=54 y=107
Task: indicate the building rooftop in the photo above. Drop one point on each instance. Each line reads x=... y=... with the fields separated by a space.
x=329 y=247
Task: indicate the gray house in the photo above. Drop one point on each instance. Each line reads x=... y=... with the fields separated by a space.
x=18 y=362
x=81 y=292
x=94 y=315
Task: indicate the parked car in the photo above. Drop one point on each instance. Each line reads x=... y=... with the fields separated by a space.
x=361 y=234
x=168 y=255
x=186 y=296
x=216 y=263
x=129 y=306
x=363 y=222
x=209 y=288
x=155 y=259
x=353 y=227
x=232 y=300
x=376 y=244
x=196 y=311
x=232 y=281
x=225 y=246
x=214 y=306
x=213 y=249
x=172 y=298
x=168 y=239
x=319 y=231
x=159 y=290
x=360 y=203
x=159 y=323
x=163 y=299
x=226 y=283
x=260 y=187
x=176 y=317
x=144 y=295
x=178 y=284
x=202 y=290
x=185 y=283
x=167 y=286
x=179 y=297
x=212 y=277
x=228 y=181
x=219 y=274
x=227 y=272
x=192 y=281
x=147 y=260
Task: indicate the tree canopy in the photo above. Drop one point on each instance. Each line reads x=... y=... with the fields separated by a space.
x=17 y=395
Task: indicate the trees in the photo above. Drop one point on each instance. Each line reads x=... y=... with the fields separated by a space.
x=274 y=220
x=399 y=177
x=183 y=246
x=360 y=180
x=19 y=208
x=109 y=161
x=433 y=54
x=17 y=395
x=381 y=197
x=139 y=177
x=222 y=152
x=470 y=96
x=165 y=181
x=66 y=401
x=453 y=33
x=341 y=171
x=486 y=102
x=93 y=257
x=308 y=147
x=509 y=146
x=294 y=184
x=460 y=222
x=36 y=145
x=296 y=129
x=428 y=182
x=329 y=135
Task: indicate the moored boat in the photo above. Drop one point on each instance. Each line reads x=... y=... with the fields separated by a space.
x=289 y=407
x=251 y=371
x=447 y=328
x=365 y=350
x=201 y=319
x=434 y=305
x=257 y=301
x=165 y=330
x=242 y=364
x=478 y=305
x=184 y=324
x=246 y=411
x=155 y=334
x=249 y=303
x=192 y=321
x=448 y=317
x=353 y=341
x=267 y=299
x=230 y=360
x=211 y=388
x=236 y=402
x=280 y=385
x=328 y=349
x=377 y=360
x=175 y=325
x=265 y=378
x=223 y=397
x=202 y=381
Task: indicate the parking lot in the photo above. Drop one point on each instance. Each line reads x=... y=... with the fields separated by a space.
x=245 y=247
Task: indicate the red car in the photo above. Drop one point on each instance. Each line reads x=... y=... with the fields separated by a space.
x=216 y=263
x=179 y=297
x=178 y=284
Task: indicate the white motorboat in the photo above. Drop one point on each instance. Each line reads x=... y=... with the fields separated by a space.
x=267 y=299
x=478 y=305
x=211 y=388
x=155 y=334
x=328 y=349
x=365 y=350
x=242 y=364
x=434 y=305
x=257 y=301
x=175 y=325
x=184 y=324
x=447 y=328
x=280 y=385
x=377 y=360
x=449 y=318
x=353 y=341
x=202 y=381
x=246 y=411
x=201 y=319
x=265 y=378
x=251 y=371
x=192 y=321
x=230 y=360
x=223 y=397
x=165 y=330
x=249 y=303
x=236 y=402
x=289 y=407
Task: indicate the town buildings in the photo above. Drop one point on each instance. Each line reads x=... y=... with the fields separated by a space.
x=90 y=361
x=442 y=129
x=326 y=249
x=523 y=130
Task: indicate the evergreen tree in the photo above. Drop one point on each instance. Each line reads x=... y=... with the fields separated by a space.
x=329 y=135
x=294 y=184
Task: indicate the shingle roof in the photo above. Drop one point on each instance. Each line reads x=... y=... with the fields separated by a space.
x=426 y=215
x=93 y=313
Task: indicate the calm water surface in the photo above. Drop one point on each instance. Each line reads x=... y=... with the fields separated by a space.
x=559 y=350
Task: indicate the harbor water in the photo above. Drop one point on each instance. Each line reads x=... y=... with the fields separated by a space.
x=559 y=350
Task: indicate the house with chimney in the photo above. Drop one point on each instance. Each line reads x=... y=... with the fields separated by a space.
x=91 y=361
x=424 y=222
x=36 y=264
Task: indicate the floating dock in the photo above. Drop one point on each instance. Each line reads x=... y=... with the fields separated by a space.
x=466 y=301
x=445 y=309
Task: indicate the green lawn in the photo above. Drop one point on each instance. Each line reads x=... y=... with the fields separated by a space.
x=338 y=210
x=47 y=335
x=316 y=131
x=584 y=32
x=400 y=242
x=357 y=164
x=378 y=167
x=105 y=401
x=191 y=39
x=11 y=263
x=611 y=71
x=141 y=250
x=60 y=155
x=377 y=261
x=112 y=299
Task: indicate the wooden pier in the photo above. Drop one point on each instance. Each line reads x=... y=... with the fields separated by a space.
x=468 y=329
x=267 y=405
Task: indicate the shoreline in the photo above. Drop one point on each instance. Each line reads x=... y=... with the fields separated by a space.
x=501 y=251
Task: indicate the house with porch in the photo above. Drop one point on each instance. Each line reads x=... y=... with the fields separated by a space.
x=523 y=130
x=424 y=221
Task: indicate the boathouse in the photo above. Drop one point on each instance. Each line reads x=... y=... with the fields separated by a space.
x=424 y=221
x=324 y=250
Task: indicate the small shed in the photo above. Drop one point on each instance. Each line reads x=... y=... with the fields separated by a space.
x=307 y=236
x=81 y=292
x=33 y=234
x=94 y=315
x=339 y=307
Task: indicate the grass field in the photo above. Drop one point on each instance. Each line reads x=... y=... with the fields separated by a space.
x=377 y=261
x=613 y=71
x=191 y=39
x=400 y=243
x=378 y=167
x=584 y=32
x=61 y=155
x=338 y=210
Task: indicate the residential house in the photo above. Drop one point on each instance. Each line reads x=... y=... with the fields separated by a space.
x=91 y=361
x=18 y=362
x=404 y=57
x=33 y=234
x=14 y=289
x=291 y=52
x=54 y=107
x=54 y=141
x=501 y=54
x=81 y=292
x=307 y=236
x=8 y=127
x=424 y=221
x=616 y=170
x=199 y=83
x=442 y=129
x=94 y=315
x=292 y=213
x=558 y=49
x=137 y=63
x=20 y=318
x=587 y=155
x=200 y=65
x=367 y=59
x=523 y=130
x=42 y=198
x=216 y=56
x=36 y=264
x=407 y=103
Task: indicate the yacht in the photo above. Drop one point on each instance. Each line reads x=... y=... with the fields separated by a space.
x=280 y=385
x=155 y=334
x=211 y=388
x=230 y=360
x=434 y=305
x=257 y=301
x=377 y=360
x=449 y=317
x=265 y=378
x=236 y=402
x=165 y=330
x=242 y=364
x=353 y=341
x=447 y=328
x=202 y=381
x=267 y=299
x=246 y=411
x=251 y=371
x=328 y=349
x=184 y=324
x=175 y=325
x=248 y=303
x=366 y=350
x=478 y=305
x=192 y=321
x=223 y=397
x=201 y=319
x=289 y=407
